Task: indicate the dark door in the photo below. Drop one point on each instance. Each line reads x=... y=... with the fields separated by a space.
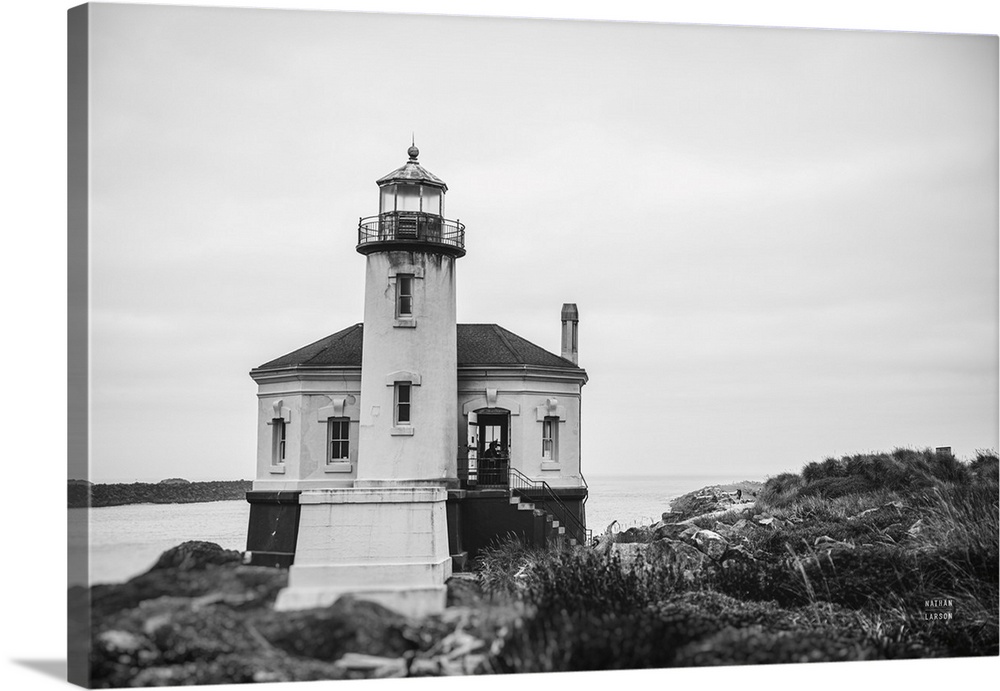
x=494 y=447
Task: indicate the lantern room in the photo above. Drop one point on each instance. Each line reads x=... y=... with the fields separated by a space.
x=411 y=189
x=411 y=213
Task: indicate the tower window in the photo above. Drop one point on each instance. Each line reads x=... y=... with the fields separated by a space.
x=404 y=295
x=277 y=441
x=402 y=403
x=550 y=431
x=338 y=445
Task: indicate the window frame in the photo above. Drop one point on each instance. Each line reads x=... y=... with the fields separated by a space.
x=406 y=280
x=343 y=425
x=279 y=438
x=550 y=438
x=398 y=404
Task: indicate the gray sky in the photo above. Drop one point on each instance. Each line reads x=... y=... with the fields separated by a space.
x=783 y=243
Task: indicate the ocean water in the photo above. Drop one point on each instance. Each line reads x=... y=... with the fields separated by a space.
x=127 y=540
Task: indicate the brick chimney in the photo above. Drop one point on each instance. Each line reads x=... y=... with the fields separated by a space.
x=570 y=332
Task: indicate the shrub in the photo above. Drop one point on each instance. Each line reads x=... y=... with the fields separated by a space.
x=779 y=490
x=597 y=583
x=833 y=487
x=986 y=466
x=830 y=467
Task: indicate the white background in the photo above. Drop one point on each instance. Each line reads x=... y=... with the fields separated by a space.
x=33 y=267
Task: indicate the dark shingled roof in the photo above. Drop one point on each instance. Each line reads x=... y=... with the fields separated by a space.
x=478 y=345
x=342 y=348
x=491 y=344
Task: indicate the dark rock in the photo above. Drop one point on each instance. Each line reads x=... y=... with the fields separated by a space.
x=687 y=535
x=196 y=555
x=741 y=526
x=723 y=529
x=175 y=481
x=348 y=625
x=634 y=534
x=682 y=556
x=669 y=530
x=737 y=553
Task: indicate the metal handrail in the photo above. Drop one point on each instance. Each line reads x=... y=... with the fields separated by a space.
x=404 y=226
x=520 y=482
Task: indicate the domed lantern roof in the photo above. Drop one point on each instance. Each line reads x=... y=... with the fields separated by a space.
x=412 y=172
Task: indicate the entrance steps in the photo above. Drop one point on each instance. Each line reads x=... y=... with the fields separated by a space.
x=554 y=531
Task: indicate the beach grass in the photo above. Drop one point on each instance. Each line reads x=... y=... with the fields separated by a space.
x=871 y=556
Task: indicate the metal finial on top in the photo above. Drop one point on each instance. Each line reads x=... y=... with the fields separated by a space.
x=413 y=151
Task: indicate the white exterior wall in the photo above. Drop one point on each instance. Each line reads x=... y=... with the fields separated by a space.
x=307 y=403
x=423 y=350
x=527 y=399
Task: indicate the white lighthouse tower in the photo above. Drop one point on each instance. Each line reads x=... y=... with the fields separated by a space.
x=409 y=367
x=386 y=538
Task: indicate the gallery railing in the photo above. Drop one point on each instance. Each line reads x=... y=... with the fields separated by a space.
x=411 y=227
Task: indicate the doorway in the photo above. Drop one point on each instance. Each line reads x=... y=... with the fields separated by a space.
x=494 y=446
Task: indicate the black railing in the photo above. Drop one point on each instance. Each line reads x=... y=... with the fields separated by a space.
x=488 y=473
x=539 y=492
x=407 y=227
x=496 y=473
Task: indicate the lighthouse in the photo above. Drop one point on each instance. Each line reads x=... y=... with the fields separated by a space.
x=385 y=537
x=397 y=449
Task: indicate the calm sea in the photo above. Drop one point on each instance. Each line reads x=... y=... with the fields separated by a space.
x=126 y=540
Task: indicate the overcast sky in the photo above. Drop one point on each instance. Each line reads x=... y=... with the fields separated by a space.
x=783 y=243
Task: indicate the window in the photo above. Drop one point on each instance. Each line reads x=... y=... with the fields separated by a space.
x=402 y=403
x=277 y=441
x=404 y=295
x=550 y=428
x=338 y=445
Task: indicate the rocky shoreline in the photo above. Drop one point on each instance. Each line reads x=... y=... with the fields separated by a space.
x=677 y=537
x=81 y=494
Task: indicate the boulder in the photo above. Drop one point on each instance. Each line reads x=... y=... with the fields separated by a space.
x=711 y=543
x=194 y=554
x=687 y=535
x=741 y=526
x=634 y=534
x=737 y=553
x=723 y=529
x=668 y=530
x=682 y=556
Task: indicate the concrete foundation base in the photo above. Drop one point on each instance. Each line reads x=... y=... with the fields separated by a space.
x=388 y=544
x=411 y=602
